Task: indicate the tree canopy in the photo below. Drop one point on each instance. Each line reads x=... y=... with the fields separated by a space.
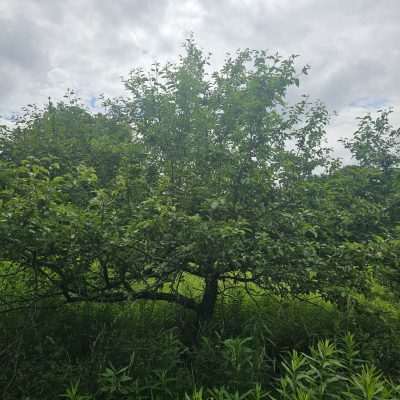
x=191 y=184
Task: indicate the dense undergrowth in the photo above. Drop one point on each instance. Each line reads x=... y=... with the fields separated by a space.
x=281 y=349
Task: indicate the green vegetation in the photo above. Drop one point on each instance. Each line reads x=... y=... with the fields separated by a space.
x=197 y=240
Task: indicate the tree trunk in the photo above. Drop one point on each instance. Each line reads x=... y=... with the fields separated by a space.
x=207 y=305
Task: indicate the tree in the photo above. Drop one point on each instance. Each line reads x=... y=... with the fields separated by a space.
x=68 y=134
x=376 y=143
x=206 y=193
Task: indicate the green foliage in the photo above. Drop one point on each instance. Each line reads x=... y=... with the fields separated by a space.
x=136 y=349
x=207 y=191
x=195 y=176
x=72 y=393
x=375 y=143
x=70 y=135
x=330 y=372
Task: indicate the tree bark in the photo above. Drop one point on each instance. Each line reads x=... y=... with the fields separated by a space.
x=207 y=305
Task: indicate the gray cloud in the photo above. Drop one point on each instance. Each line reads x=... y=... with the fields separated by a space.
x=48 y=46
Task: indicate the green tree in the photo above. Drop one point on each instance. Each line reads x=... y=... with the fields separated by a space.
x=376 y=143
x=68 y=134
x=204 y=195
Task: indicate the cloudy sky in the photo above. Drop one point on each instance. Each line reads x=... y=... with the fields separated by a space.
x=353 y=46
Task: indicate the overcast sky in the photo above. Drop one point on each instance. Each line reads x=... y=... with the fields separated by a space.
x=353 y=46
